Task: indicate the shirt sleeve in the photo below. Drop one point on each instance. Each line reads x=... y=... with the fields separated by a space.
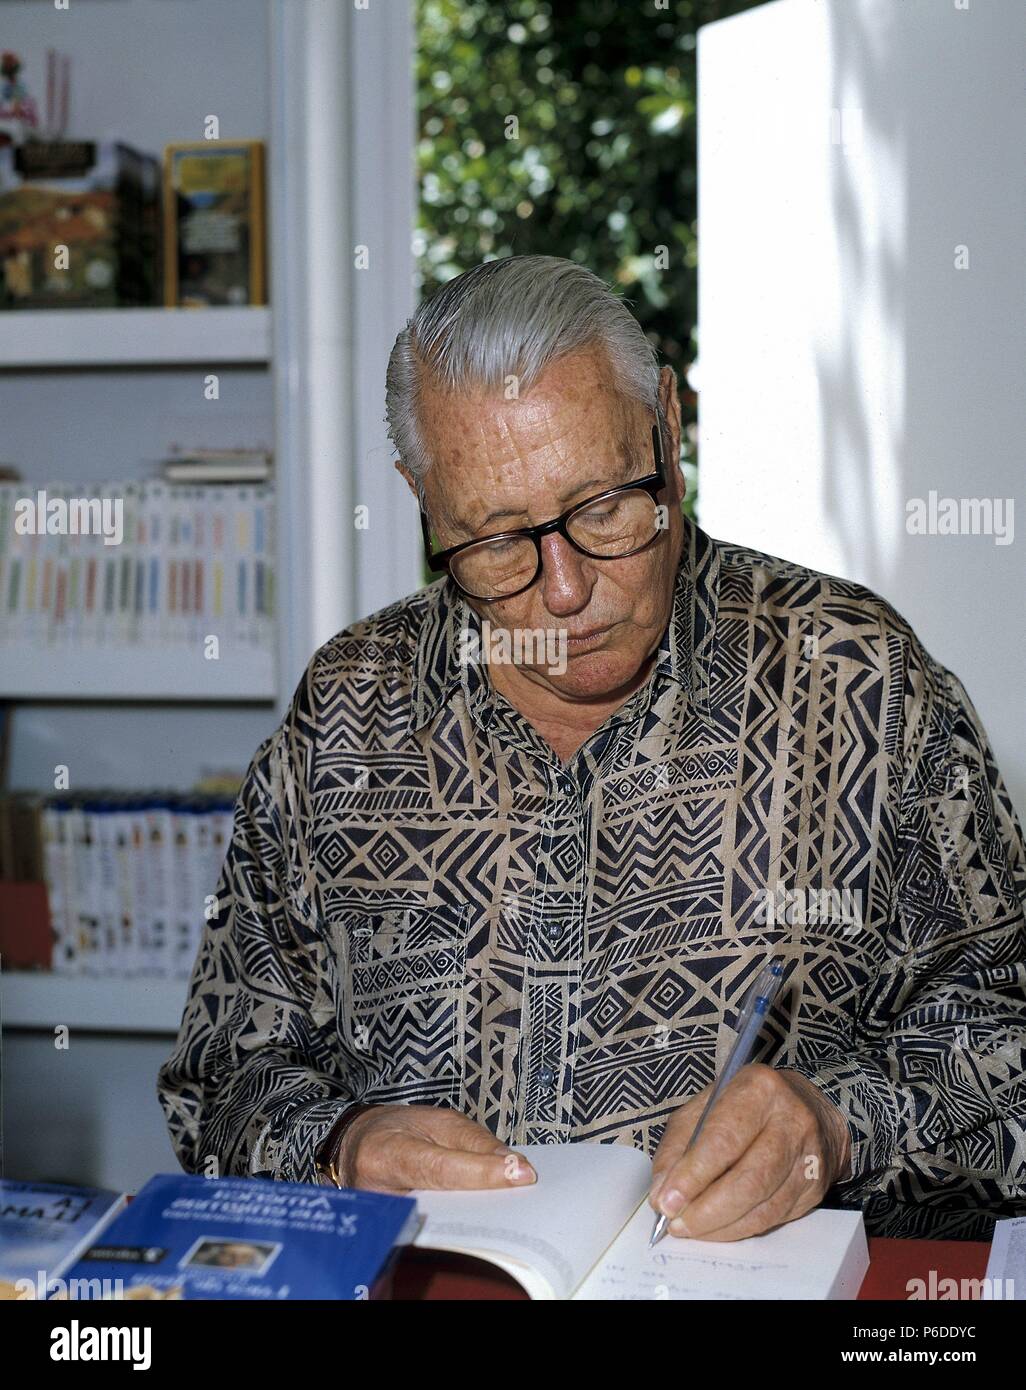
x=256 y=1080
x=934 y=1089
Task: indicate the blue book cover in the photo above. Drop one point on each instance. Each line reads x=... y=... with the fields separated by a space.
x=43 y=1227
x=192 y=1237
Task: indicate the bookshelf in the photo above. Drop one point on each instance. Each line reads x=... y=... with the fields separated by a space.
x=101 y=394
x=96 y=394
x=31 y=1001
x=245 y=675
x=55 y=338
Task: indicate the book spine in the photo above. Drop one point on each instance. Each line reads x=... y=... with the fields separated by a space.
x=109 y=962
x=75 y=912
x=132 y=546
x=243 y=564
x=92 y=554
x=55 y=829
x=165 y=855
x=54 y=610
x=76 y=550
x=128 y=940
x=141 y=889
x=87 y=872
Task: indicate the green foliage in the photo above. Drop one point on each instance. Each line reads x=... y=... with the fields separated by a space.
x=601 y=97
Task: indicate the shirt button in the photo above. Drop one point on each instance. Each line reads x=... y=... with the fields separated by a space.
x=552 y=931
x=546 y=1077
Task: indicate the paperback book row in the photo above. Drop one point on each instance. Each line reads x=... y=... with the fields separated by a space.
x=142 y=563
x=131 y=880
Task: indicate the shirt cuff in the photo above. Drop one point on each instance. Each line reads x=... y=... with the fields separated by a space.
x=305 y=1131
x=866 y=1099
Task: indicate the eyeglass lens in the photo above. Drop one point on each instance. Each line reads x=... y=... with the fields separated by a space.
x=610 y=528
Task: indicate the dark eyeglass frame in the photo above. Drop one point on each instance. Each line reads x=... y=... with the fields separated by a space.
x=652 y=483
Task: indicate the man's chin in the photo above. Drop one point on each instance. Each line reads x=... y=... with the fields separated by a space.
x=597 y=675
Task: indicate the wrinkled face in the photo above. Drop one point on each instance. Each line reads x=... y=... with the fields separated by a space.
x=498 y=465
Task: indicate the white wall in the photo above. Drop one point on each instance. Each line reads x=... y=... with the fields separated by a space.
x=846 y=149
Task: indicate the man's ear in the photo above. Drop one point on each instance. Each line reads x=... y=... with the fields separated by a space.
x=669 y=400
x=400 y=467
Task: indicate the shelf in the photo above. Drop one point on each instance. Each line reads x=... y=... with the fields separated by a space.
x=243 y=675
x=40 y=1000
x=134 y=337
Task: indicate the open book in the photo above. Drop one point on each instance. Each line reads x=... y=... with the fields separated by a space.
x=582 y=1230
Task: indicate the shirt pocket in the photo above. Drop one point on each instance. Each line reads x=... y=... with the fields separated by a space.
x=403 y=1001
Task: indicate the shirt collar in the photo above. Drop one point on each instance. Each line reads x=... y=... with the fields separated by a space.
x=684 y=655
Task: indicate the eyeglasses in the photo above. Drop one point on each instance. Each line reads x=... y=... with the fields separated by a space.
x=609 y=526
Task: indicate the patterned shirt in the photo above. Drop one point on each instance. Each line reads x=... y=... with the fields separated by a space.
x=422 y=903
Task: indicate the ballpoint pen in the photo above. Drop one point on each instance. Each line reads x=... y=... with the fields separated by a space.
x=761 y=996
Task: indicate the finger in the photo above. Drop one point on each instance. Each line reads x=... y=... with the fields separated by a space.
x=409 y=1161
x=735 y=1122
x=455 y=1131
x=452 y=1130
x=760 y=1176
x=786 y=1204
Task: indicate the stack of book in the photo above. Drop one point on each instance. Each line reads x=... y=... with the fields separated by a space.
x=207 y=465
x=130 y=878
x=137 y=564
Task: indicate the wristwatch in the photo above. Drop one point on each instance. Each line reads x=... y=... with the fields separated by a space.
x=328 y=1151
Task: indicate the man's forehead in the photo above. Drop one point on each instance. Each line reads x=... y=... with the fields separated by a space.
x=577 y=387
x=493 y=452
x=492 y=414
x=494 y=476
x=492 y=443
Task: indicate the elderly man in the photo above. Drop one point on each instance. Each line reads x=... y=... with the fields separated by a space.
x=474 y=901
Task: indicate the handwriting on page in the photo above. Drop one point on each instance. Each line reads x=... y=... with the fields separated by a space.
x=677 y=1274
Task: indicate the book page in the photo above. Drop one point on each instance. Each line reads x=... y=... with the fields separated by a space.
x=549 y=1235
x=1006 y=1267
x=822 y=1255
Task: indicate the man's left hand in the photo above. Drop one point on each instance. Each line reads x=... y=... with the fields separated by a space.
x=772 y=1146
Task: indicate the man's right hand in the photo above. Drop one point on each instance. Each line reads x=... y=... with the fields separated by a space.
x=397 y=1148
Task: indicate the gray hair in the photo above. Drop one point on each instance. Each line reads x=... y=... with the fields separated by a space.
x=511 y=317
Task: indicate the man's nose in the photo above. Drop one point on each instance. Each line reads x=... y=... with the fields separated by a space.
x=566 y=581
